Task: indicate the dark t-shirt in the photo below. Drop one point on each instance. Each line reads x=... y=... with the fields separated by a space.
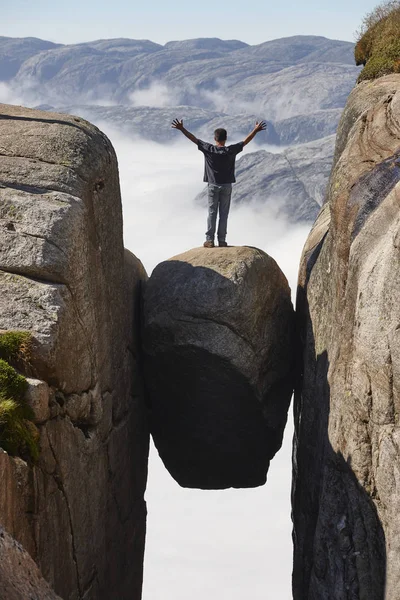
x=219 y=162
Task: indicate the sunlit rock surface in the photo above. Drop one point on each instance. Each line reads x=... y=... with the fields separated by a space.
x=346 y=499
x=218 y=342
x=65 y=277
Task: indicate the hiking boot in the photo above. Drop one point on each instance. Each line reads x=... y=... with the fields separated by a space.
x=222 y=244
x=208 y=244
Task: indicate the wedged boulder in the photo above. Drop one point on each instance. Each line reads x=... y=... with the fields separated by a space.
x=219 y=347
x=66 y=278
x=20 y=578
x=346 y=499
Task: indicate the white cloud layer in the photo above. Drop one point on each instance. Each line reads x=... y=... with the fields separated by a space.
x=8 y=95
x=158 y=95
x=234 y=101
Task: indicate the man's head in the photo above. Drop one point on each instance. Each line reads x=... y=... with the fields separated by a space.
x=220 y=136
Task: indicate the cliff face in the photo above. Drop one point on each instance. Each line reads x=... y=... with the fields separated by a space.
x=65 y=277
x=218 y=343
x=346 y=502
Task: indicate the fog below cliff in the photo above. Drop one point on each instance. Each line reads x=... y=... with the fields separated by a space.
x=235 y=543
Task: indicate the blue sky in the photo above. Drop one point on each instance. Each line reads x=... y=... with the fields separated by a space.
x=253 y=21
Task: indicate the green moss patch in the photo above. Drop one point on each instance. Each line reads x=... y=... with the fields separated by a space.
x=18 y=434
x=378 y=46
x=15 y=346
x=12 y=385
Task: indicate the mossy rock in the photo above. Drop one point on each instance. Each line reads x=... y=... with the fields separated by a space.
x=15 y=346
x=18 y=434
x=378 y=48
x=12 y=385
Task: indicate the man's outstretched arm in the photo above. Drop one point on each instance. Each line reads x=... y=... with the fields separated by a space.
x=260 y=126
x=176 y=124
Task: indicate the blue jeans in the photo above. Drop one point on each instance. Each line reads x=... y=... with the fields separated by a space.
x=219 y=197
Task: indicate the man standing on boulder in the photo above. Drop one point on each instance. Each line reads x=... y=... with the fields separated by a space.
x=219 y=173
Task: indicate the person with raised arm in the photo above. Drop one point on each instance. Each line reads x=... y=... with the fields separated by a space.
x=219 y=173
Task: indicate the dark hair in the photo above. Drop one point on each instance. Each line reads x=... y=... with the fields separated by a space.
x=220 y=135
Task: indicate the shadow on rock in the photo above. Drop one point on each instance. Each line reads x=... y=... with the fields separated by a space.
x=339 y=542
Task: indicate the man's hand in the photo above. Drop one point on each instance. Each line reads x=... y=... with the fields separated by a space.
x=177 y=124
x=260 y=126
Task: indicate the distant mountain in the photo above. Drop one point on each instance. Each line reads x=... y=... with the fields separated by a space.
x=209 y=73
x=15 y=51
x=209 y=44
x=298 y=84
x=155 y=123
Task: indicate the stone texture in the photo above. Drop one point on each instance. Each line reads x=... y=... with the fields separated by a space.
x=65 y=277
x=346 y=501
x=38 y=398
x=218 y=342
x=20 y=578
